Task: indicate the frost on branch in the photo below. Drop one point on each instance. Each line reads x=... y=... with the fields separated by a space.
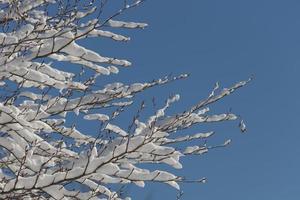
x=44 y=156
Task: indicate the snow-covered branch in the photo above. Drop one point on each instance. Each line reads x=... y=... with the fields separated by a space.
x=42 y=156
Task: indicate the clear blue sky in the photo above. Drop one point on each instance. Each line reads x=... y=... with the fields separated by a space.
x=225 y=41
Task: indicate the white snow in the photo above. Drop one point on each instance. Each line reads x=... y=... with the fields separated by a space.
x=98 y=116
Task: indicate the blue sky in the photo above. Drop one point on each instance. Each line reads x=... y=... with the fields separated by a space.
x=225 y=41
